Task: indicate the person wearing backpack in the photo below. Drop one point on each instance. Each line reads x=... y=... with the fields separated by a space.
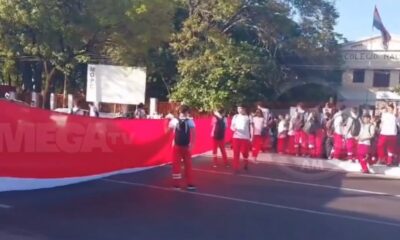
x=184 y=140
x=300 y=140
x=218 y=126
x=351 y=131
x=365 y=137
x=311 y=127
x=259 y=131
x=241 y=137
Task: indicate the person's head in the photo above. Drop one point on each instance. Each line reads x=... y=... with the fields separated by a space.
x=184 y=110
x=220 y=112
x=259 y=113
x=300 y=106
x=342 y=107
x=261 y=105
x=390 y=108
x=140 y=106
x=281 y=117
x=366 y=118
x=328 y=115
x=287 y=117
x=354 y=110
x=327 y=105
x=241 y=109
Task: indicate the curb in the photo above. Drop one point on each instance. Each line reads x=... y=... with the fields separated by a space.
x=321 y=164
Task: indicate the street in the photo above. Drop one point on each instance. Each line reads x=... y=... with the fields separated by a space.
x=267 y=202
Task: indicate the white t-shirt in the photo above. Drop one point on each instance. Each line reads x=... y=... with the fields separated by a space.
x=367 y=131
x=265 y=112
x=241 y=126
x=349 y=125
x=92 y=111
x=337 y=123
x=388 y=124
x=282 y=127
x=258 y=124
x=174 y=123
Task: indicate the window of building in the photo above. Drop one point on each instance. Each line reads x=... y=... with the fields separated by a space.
x=381 y=78
x=358 y=76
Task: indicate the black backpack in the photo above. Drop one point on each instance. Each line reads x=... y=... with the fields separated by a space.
x=298 y=123
x=219 y=131
x=182 y=133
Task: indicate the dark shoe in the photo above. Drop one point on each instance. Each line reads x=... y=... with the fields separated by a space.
x=246 y=167
x=191 y=187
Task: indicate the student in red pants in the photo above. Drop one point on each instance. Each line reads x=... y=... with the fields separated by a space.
x=282 y=135
x=300 y=141
x=218 y=131
x=259 y=131
x=184 y=139
x=241 y=138
x=351 y=132
x=290 y=141
x=338 y=140
x=388 y=136
x=365 y=137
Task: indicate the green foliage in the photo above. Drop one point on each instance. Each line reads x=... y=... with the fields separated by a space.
x=62 y=34
x=243 y=50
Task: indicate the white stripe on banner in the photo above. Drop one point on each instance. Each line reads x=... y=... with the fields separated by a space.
x=258 y=203
x=23 y=184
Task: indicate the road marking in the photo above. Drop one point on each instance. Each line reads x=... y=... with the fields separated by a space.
x=300 y=183
x=5 y=206
x=258 y=203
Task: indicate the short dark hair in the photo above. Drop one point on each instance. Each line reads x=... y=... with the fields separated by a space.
x=366 y=115
x=184 y=109
x=342 y=107
x=221 y=111
x=141 y=105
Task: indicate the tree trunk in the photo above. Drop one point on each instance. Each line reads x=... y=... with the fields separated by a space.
x=48 y=81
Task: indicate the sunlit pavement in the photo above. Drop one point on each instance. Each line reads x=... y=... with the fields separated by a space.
x=266 y=202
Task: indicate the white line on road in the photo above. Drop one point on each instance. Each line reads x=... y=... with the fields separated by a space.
x=300 y=183
x=5 y=206
x=240 y=200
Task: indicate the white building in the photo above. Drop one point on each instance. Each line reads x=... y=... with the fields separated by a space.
x=370 y=73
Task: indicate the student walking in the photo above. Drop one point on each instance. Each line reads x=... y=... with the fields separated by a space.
x=218 y=131
x=365 y=137
x=241 y=138
x=259 y=132
x=184 y=140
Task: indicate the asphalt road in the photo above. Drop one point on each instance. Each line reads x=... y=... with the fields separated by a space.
x=267 y=202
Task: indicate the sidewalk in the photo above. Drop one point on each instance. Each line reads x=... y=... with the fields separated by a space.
x=321 y=164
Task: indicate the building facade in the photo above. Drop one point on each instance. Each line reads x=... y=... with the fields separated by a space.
x=370 y=73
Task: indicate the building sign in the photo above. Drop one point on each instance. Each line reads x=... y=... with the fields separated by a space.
x=371 y=59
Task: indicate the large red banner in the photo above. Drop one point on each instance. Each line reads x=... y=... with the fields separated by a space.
x=38 y=144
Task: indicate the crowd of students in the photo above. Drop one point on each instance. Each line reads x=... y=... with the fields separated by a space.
x=352 y=134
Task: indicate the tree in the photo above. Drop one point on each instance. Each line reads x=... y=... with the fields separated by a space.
x=61 y=34
x=233 y=51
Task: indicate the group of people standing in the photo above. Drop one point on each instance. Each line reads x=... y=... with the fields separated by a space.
x=324 y=132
